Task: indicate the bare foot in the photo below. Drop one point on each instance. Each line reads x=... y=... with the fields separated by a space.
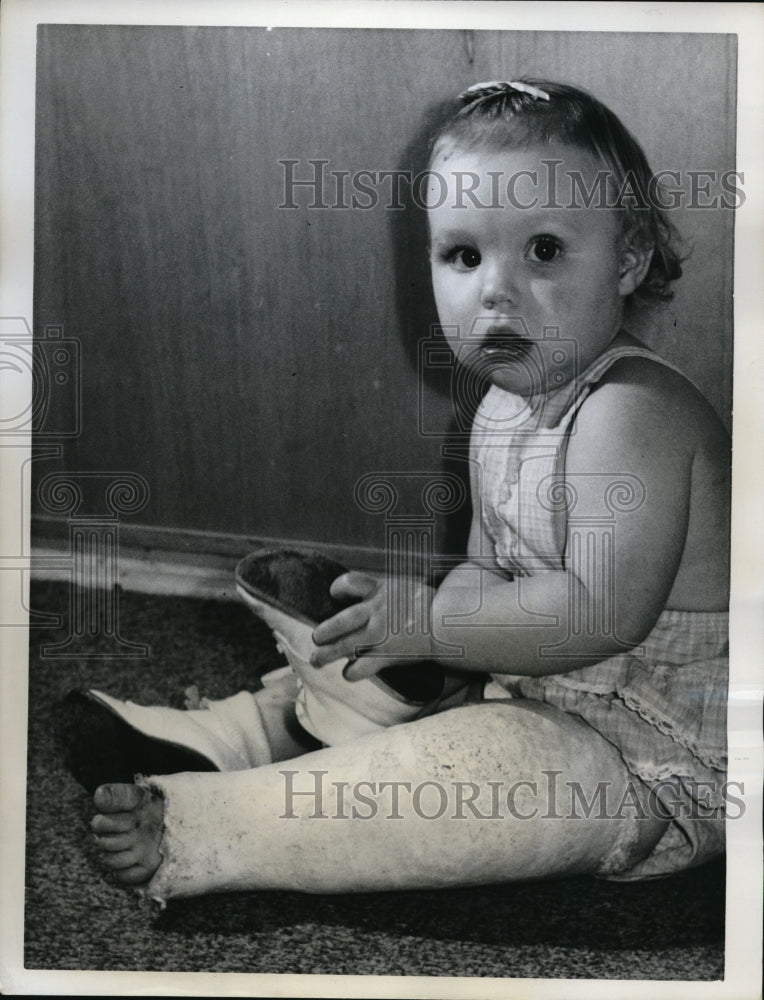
x=128 y=831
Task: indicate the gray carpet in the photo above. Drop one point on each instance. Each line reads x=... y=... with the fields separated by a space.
x=77 y=919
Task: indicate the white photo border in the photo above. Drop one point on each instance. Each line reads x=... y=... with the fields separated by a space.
x=18 y=24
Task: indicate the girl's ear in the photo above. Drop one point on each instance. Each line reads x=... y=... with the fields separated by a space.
x=635 y=262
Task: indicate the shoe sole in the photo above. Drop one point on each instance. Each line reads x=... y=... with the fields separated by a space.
x=101 y=748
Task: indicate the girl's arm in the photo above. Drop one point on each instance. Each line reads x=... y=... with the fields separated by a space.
x=624 y=543
x=621 y=558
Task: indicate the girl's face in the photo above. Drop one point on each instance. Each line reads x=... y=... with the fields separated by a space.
x=529 y=294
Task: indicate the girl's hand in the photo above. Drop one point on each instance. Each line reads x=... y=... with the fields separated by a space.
x=365 y=627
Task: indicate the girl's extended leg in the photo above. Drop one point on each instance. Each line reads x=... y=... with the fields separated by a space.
x=485 y=793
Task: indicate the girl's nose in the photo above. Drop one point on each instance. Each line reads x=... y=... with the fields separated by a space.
x=498 y=287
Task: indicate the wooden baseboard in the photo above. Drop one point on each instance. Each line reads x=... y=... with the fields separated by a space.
x=156 y=560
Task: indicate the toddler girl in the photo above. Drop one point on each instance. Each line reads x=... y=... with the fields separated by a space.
x=589 y=616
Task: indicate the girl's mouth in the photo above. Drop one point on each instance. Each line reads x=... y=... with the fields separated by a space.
x=504 y=346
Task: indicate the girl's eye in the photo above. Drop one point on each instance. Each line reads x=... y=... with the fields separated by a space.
x=464 y=258
x=545 y=249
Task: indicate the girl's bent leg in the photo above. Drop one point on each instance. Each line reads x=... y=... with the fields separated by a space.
x=485 y=793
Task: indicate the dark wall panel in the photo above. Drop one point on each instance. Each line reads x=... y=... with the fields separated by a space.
x=253 y=362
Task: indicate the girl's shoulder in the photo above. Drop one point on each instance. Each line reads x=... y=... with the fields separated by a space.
x=655 y=401
x=648 y=373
